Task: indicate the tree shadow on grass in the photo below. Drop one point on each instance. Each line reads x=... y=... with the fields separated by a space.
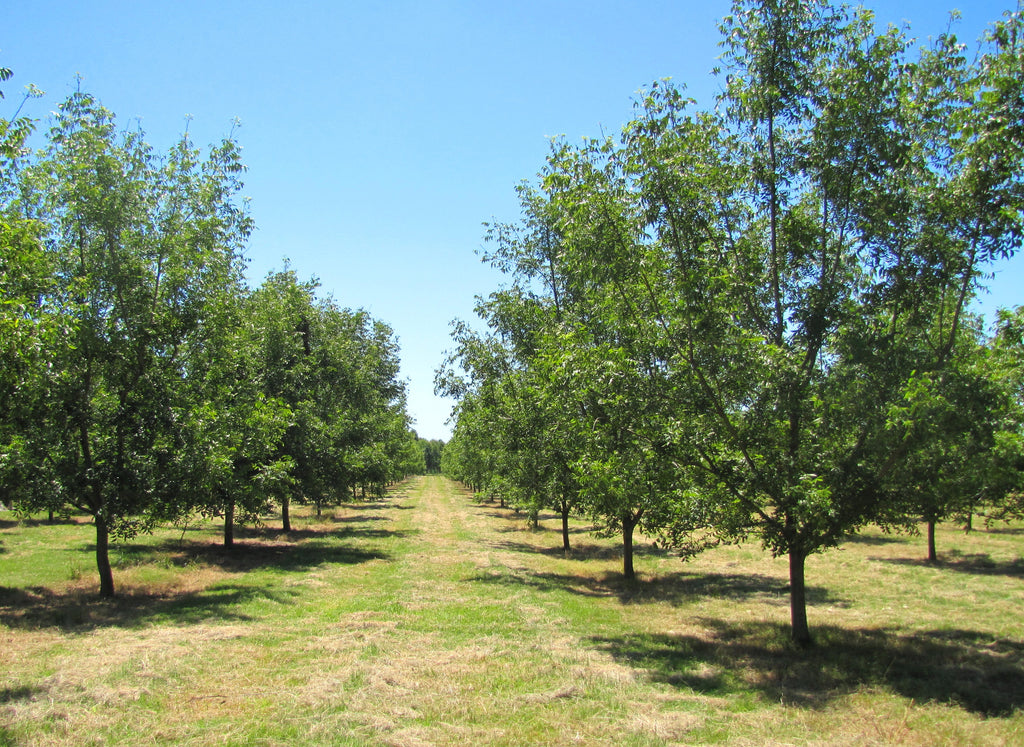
x=547 y=522
x=286 y=554
x=13 y=694
x=980 y=564
x=317 y=535
x=377 y=505
x=1013 y=531
x=79 y=610
x=675 y=589
x=35 y=521
x=370 y=532
x=978 y=672
x=513 y=521
x=357 y=519
x=582 y=551
x=874 y=539
x=578 y=551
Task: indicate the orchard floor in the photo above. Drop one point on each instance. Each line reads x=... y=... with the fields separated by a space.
x=426 y=618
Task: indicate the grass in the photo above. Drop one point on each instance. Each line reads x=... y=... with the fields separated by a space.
x=428 y=619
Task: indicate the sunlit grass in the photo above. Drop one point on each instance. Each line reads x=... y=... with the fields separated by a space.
x=429 y=619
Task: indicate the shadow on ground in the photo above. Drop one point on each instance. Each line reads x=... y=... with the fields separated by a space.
x=676 y=589
x=285 y=556
x=378 y=505
x=980 y=564
x=1013 y=531
x=578 y=551
x=973 y=670
x=874 y=539
x=80 y=610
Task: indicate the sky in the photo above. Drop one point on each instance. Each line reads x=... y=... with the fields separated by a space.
x=380 y=136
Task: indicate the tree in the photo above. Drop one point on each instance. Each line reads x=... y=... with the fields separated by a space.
x=822 y=277
x=233 y=464
x=432 y=454
x=963 y=463
x=768 y=284
x=469 y=455
x=137 y=245
x=15 y=131
x=337 y=372
x=1004 y=463
x=27 y=329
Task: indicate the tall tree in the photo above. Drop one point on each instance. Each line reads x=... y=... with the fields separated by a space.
x=27 y=329
x=767 y=284
x=137 y=244
x=337 y=372
x=962 y=463
x=232 y=464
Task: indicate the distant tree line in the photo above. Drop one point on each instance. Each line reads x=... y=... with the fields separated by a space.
x=141 y=379
x=433 y=451
x=753 y=321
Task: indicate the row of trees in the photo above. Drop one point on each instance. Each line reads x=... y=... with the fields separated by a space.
x=433 y=451
x=141 y=379
x=752 y=321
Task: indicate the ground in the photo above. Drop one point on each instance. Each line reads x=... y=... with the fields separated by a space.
x=429 y=618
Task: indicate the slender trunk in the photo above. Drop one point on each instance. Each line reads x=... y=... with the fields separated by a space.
x=565 y=525
x=286 y=521
x=229 y=523
x=627 y=547
x=801 y=634
x=103 y=558
x=933 y=557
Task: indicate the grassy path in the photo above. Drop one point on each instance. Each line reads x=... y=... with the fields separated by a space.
x=473 y=655
x=393 y=623
x=428 y=619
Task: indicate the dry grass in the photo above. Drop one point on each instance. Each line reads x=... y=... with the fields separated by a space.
x=428 y=619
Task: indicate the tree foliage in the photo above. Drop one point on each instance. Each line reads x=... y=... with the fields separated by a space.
x=755 y=316
x=141 y=379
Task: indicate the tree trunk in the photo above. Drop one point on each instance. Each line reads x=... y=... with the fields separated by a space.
x=229 y=523
x=286 y=521
x=627 y=547
x=565 y=525
x=103 y=558
x=933 y=557
x=801 y=634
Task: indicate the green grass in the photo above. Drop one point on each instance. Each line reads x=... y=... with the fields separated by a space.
x=429 y=619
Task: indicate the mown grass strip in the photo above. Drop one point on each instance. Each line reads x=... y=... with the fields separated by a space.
x=428 y=618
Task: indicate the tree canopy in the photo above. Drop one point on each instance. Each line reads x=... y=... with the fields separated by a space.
x=142 y=379
x=744 y=311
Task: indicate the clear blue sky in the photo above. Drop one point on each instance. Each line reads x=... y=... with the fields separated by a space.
x=380 y=135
